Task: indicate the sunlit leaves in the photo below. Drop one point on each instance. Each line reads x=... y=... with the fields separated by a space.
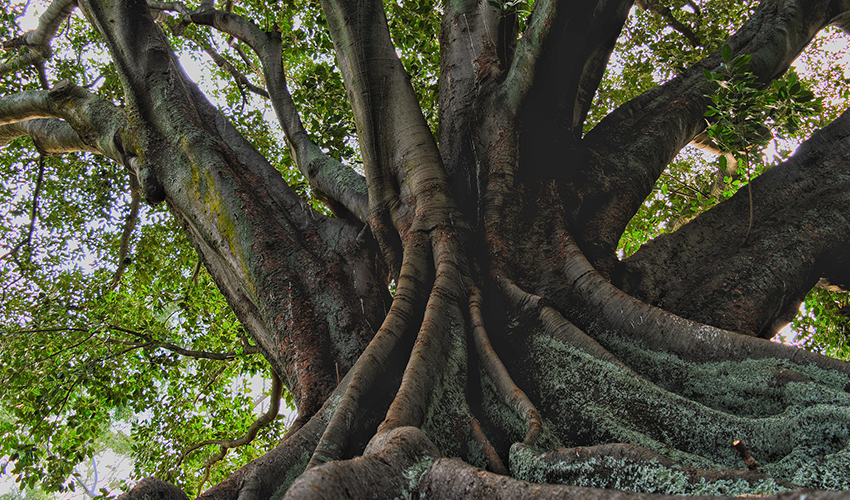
x=824 y=323
x=69 y=362
x=743 y=109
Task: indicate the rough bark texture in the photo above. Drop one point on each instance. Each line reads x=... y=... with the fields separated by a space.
x=508 y=357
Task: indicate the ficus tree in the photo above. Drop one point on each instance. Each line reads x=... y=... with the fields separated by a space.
x=426 y=255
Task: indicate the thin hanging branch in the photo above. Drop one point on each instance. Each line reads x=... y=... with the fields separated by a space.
x=129 y=226
x=666 y=14
x=38 y=40
x=148 y=341
x=220 y=61
x=27 y=241
x=227 y=444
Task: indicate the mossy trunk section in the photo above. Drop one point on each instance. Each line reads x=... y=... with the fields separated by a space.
x=305 y=286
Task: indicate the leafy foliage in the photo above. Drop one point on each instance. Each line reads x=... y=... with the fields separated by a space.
x=77 y=356
x=824 y=323
x=742 y=108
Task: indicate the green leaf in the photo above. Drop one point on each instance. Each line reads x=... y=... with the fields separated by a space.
x=726 y=52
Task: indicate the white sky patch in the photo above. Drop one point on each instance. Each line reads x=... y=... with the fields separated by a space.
x=836 y=46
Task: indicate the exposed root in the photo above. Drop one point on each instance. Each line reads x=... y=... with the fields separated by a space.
x=590 y=401
x=275 y=471
x=391 y=468
x=603 y=309
x=537 y=310
x=373 y=362
x=495 y=369
x=432 y=345
x=494 y=462
x=614 y=466
x=447 y=477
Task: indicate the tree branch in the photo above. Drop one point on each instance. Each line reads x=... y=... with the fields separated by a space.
x=289 y=273
x=149 y=341
x=405 y=175
x=51 y=136
x=227 y=444
x=629 y=149
x=560 y=62
x=38 y=40
x=335 y=180
x=220 y=61
x=469 y=66
x=666 y=13
x=98 y=123
x=127 y=233
x=756 y=288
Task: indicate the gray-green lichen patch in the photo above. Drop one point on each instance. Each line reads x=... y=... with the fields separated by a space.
x=831 y=472
x=787 y=415
x=447 y=415
x=413 y=475
x=753 y=388
x=291 y=475
x=625 y=474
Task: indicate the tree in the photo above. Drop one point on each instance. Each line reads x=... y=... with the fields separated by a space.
x=457 y=322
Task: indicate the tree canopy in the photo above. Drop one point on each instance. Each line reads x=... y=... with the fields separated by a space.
x=466 y=242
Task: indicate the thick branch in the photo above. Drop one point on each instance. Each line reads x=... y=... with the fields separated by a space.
x=469 y=66
x=564 y=55
x=560 y=64
x=98 y=123
x=631 y=146
x=304 y=286
x=800 y=232
x=403 y=167
x=610 y=315
x=38 y=40
x=335 y=180
x=51 y=136
x=262 y=421
x=667 y=14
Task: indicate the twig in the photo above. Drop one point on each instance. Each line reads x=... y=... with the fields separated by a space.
x=233 y=42
x=33 y=213
x=129 y=226
x=667 y=15
x=38 y=40
x=220 y=61
x=748 y=459
x=174 y=347
x=264 y=420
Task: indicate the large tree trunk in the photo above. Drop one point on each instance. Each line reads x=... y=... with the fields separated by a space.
x=516 y=348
